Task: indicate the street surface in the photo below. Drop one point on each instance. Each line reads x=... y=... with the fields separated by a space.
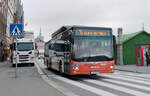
x=118 y=84
x=28 y=83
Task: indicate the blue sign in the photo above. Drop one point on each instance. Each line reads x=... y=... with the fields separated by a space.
x=16 y=30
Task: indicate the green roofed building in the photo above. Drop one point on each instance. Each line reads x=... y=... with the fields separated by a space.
x=133 y=44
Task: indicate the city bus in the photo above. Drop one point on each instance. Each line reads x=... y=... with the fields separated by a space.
x=81 y=50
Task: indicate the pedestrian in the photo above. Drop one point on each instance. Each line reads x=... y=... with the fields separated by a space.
x=147 y=58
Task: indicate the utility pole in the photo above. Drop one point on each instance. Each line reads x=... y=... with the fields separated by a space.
x=143 y=27
x=119 y=48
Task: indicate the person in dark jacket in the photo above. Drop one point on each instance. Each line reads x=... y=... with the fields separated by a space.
x=147 y=58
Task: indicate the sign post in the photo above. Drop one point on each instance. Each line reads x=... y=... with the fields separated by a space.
x=16 y=31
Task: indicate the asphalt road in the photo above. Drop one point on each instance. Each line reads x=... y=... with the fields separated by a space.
x=117 y=84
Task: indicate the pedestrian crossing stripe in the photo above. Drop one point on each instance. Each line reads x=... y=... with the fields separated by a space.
x=112 y=85
x=119 y=88
x=127 y=79
x=16 y=30
x=86 y=87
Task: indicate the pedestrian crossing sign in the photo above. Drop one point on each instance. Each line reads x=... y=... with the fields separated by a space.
x=16 y=30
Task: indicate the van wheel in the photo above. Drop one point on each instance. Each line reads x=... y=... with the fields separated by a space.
x=13 y=65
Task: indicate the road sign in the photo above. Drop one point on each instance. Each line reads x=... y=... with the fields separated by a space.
x=16 y=30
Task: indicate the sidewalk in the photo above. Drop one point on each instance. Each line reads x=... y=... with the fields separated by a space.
x=133 y=68
x=29 y=82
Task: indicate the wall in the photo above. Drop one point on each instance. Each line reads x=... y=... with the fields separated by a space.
x=129 y=47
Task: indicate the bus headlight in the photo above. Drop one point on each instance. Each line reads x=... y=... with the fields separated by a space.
x=111 y=67
x=75 y=66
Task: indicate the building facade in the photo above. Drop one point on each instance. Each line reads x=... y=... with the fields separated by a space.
x=10 y=18
x=3 y=25
x=11 y=11
x=135 y=46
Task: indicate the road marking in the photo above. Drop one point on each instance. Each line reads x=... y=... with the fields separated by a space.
x=123 y=78
x=132 y=74
x=137 y=78
x=128 y=84
x=116 y=87
x=53 y=84
x=86 y=87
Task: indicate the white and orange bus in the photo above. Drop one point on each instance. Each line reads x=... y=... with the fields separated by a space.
x=78 y=50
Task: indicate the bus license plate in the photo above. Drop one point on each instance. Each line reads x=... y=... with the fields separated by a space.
x=95 y=72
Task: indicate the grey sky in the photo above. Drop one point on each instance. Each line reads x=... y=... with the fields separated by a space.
x=52 y=14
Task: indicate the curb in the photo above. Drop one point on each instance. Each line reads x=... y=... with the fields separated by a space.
x=52 y=83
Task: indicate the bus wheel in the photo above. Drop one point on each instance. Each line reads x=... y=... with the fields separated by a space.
x=48 y=65
x=93 y=75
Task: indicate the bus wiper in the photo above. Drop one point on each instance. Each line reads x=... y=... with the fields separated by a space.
x=84 y=58
x=103 y=57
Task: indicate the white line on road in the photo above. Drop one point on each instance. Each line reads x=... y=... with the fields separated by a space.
x=86 y=87
x=137 y=78
x=116 y=87
x=124 y=78
x=128 y=84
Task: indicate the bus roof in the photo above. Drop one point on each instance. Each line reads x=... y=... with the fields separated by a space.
x=64 y=28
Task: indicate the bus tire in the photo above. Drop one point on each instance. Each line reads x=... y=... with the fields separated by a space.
x=48 y=64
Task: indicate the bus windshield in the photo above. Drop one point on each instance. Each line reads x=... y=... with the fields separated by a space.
x=88 y=49
x=60 y=47
x=25 y=46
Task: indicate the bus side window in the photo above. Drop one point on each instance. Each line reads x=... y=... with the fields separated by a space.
x=49 y=47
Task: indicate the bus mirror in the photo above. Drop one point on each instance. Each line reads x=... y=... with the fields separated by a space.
x=49 y=47
x=35 y=46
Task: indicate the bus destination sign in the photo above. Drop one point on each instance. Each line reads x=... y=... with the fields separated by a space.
x=82 y=32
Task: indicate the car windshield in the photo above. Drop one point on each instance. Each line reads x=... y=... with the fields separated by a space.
x=24 y=46
x=92 y=49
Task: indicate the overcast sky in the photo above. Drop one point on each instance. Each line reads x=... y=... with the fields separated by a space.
x=52 y=14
